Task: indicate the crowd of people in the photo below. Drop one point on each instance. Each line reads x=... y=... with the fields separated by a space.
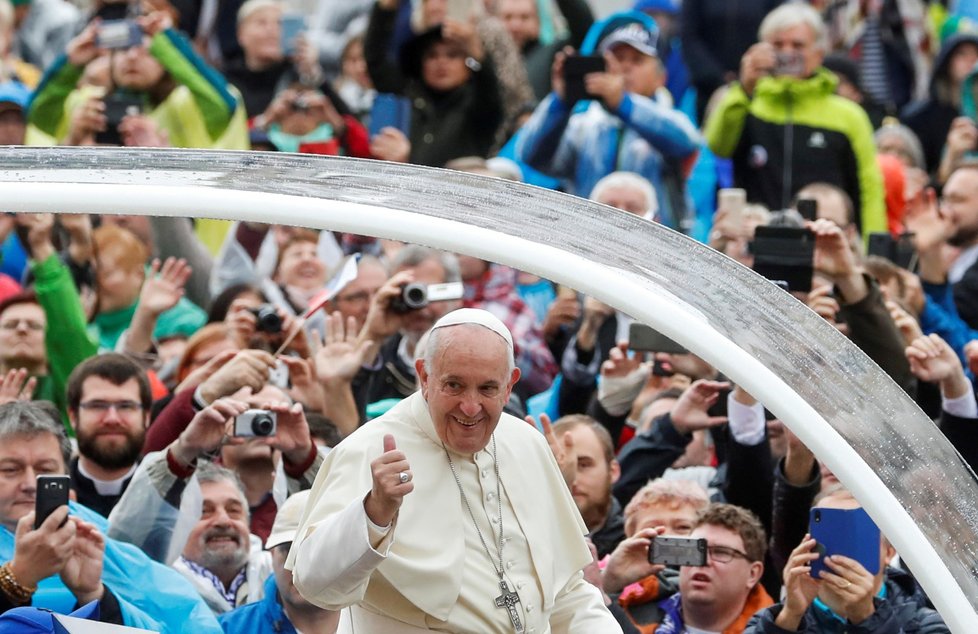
x=249 y=453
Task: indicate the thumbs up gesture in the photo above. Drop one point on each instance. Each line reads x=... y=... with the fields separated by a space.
x=392 y=480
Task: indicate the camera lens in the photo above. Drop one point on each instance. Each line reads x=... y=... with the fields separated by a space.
x=267 y=319
x=415 y=296
x=263 y=425
x=818 y=516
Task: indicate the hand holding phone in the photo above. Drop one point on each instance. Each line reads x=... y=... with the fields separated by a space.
x=576 y=67
x=390 y=111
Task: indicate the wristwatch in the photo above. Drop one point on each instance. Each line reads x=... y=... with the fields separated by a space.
x=474 y=65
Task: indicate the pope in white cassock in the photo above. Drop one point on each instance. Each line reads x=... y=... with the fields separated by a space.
x=445 y=514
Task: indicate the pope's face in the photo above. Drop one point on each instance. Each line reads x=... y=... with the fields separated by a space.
x=467 y=386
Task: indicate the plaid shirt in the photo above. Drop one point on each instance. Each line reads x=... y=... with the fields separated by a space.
x=496 y=292
x=230 y=594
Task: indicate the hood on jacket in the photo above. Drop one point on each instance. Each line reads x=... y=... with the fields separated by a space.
x=938 y=86
x=822 y=82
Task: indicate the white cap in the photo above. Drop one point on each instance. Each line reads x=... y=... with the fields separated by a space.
x=476 y=316
x=287 y=520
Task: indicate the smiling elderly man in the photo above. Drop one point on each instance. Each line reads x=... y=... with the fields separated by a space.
x=490 y=541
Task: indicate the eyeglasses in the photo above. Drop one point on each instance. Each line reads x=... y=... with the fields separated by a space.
x=725 y=555
x=101 y=407
x=14 y=324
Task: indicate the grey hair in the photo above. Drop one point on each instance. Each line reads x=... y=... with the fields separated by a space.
x=630 y=180
x=34 y=418
x=209 y=472
x=433 y=341
x=910 y=141
x=414 y=254
x=794 y=14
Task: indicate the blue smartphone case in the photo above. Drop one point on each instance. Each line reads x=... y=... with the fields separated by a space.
x=848 y=532
x=390 y=111
x=292 y=26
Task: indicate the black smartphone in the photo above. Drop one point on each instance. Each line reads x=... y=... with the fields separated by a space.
x=52 y=493
x=575 y=68
x=785 y=255
x=678 y=551
x=901 y=250
x=642 y=338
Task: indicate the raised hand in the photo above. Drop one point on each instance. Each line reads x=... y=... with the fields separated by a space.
x=341 y=354
x=835 y=260
x=564 y=311
x=619 y=364
x=141 y=131
x=82 y=573
x=848 y=589
x=563 y=449
x=932 y=360
x=305 y=388
x=208 y=430
x=163 y=287
x=630 y=560
x=17 y=386
x=690 y=411
x=905 y=323
x=86 y=119
x=42 y=552
x=248 y=368
x=609 y=86
x=388 y=490
x=800 y=587
x=390 y=144
x=758 y=61
x=82 y=48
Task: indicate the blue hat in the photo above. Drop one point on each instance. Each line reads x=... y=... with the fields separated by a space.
x=657 y=6
x=600 y=36
x=30 y=620
x=14 y=92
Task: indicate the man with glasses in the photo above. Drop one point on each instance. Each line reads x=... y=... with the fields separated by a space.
x=108 y=405
x=354 y=298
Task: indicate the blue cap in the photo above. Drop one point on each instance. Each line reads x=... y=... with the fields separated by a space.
x=657 y=6
x=14 y=92
x=635 y=35
x=30 y=620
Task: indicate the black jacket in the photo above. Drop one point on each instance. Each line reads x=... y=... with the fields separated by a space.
x=86 y=494
x=903 y=611
x=607 y=538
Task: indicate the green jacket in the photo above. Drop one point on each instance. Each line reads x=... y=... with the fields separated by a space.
x=66 y=337
x=183 y=319
x=203 y=111
x=794 y=132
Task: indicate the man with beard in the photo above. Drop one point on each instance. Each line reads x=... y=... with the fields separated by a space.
x=222 y=559
x=108 y=404
x=595 y=473
x=959 y=209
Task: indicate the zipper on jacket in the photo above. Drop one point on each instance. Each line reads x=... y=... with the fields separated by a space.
x=787 y=160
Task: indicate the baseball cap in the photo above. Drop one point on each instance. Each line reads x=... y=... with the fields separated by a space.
x=13 y=94
x=652 y=6
x=635 y=35
x=287 y=520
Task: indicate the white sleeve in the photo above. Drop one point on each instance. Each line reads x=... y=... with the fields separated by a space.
x=579 y=609
x=747 y=424
x=962 y=406
x=334 y=562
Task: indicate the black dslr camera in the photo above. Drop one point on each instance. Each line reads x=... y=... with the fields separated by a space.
x=267 y=319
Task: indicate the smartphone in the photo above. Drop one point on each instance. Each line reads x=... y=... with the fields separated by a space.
x=792 y=64
x=291 y=27
x=732 y=200
x=848 y=532
x=642 y=338
x=575 y=68
x=390 y=111
x=807 y=208
x=785 y=255
x=52 y=493
x=901 y=250
x=118 y=34
x=678 y=551
x=118 y=105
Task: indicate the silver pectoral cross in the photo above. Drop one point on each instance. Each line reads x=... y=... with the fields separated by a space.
x=509 y=600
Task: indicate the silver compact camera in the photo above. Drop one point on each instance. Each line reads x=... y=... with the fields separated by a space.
x=255 y=422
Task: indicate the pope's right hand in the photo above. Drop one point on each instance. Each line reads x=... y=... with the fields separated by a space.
x=389 y=486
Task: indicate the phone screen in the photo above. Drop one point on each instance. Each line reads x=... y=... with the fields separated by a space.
x=292 y=26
